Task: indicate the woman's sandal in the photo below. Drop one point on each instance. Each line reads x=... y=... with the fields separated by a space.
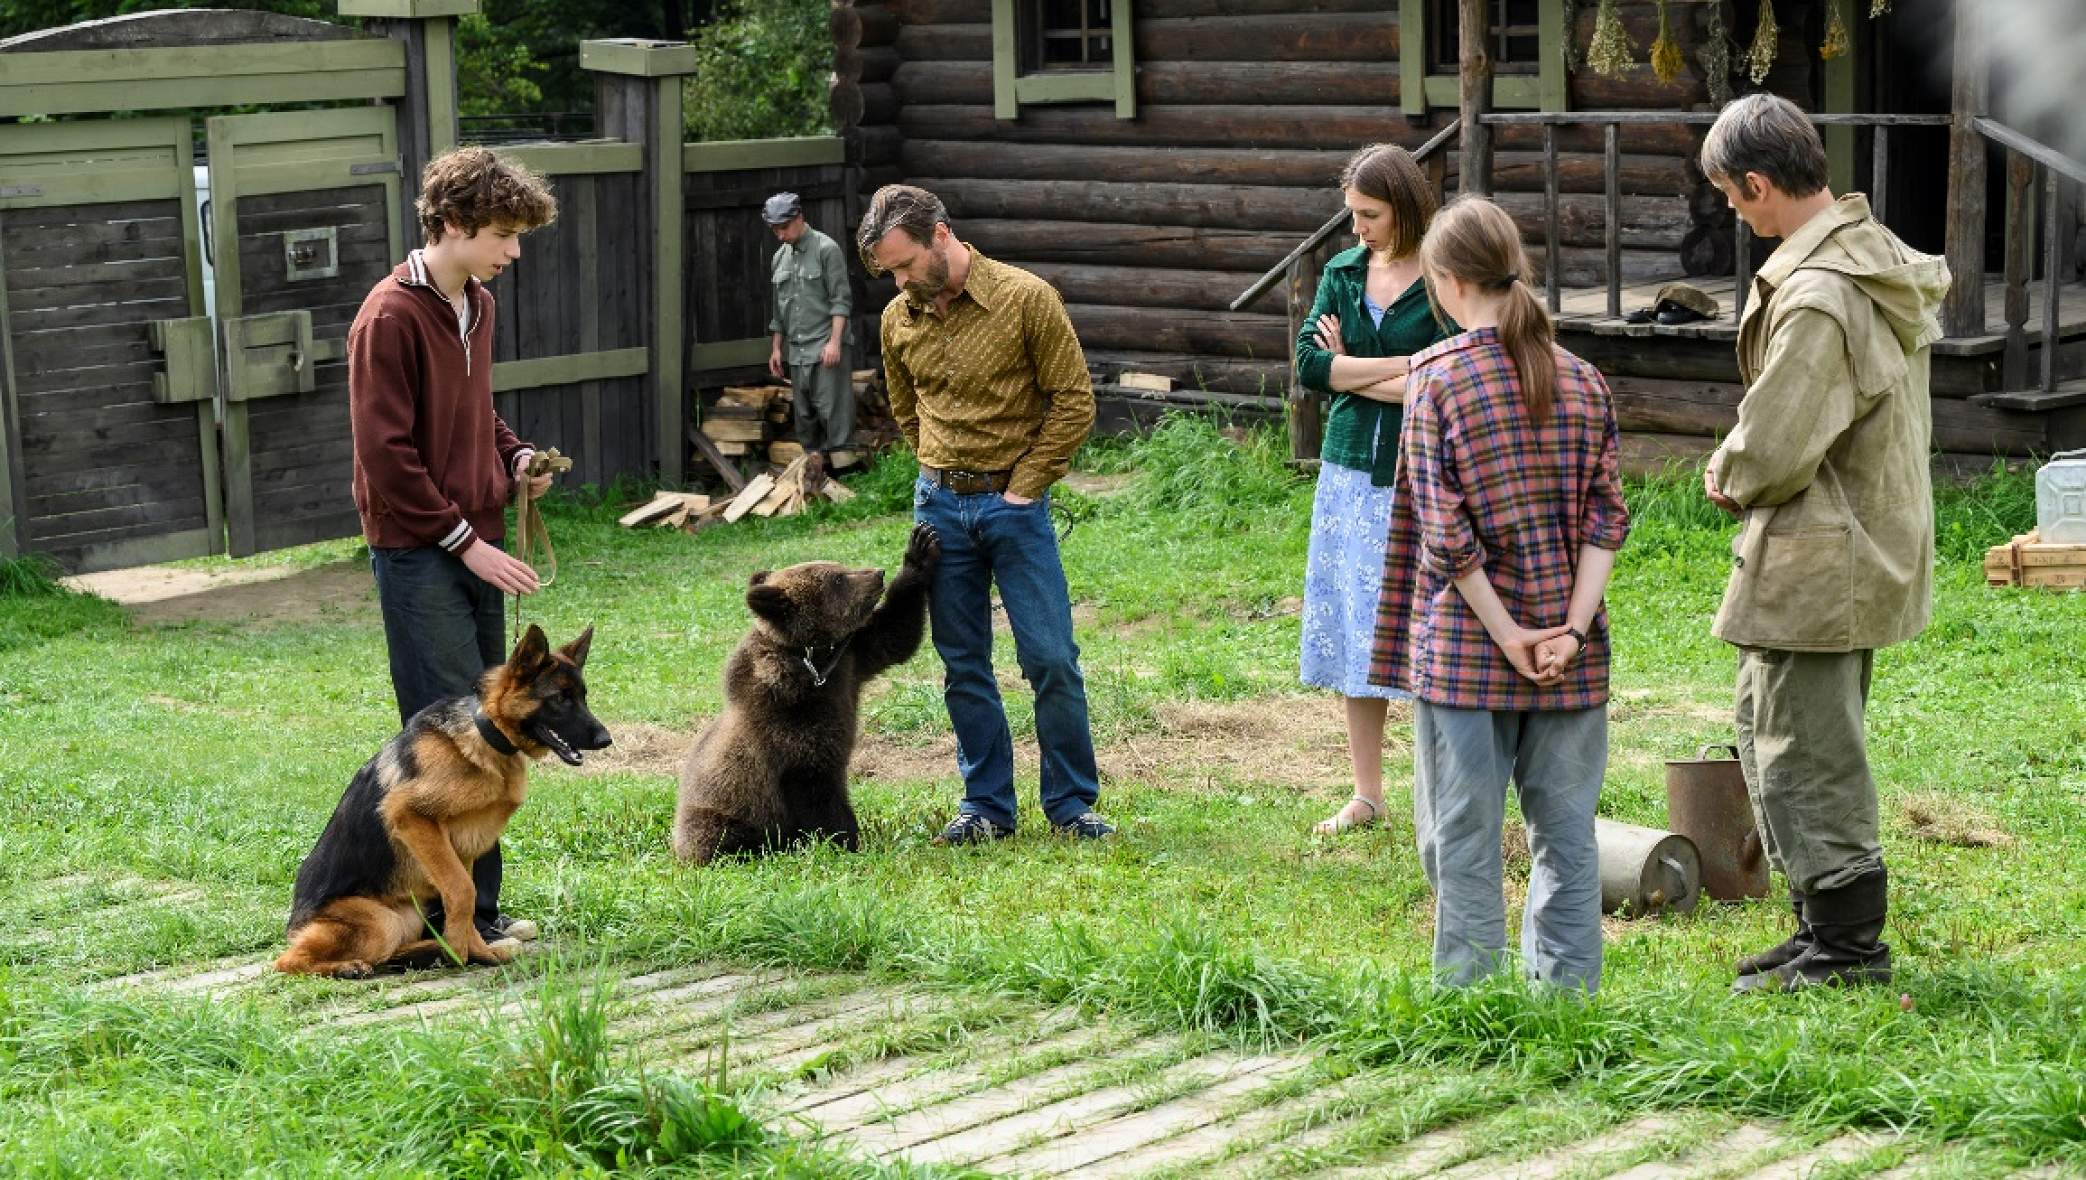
x=1339 y=824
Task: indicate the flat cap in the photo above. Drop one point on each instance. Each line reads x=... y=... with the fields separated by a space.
x=780 y=208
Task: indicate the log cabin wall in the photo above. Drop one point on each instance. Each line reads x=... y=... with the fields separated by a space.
x=1246 y=110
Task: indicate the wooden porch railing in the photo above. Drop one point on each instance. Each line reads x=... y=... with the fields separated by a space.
x=1304 y=424
x=2024 y=156
x=1611 y=124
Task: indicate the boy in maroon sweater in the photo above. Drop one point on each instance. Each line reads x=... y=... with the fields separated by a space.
x=434 y=465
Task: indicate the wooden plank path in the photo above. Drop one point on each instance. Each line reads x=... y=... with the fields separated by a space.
x=884 y=1070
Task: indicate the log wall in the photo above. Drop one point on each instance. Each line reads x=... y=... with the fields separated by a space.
x=1246 y=110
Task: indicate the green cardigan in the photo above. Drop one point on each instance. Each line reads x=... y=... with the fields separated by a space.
x=1362 y=434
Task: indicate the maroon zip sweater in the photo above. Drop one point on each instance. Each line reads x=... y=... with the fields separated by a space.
x=433 y=463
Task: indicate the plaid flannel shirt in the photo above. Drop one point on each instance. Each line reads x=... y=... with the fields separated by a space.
x=1482 y=486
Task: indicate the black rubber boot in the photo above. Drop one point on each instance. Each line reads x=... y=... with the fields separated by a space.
x=1847 y=949
x=1795 y=945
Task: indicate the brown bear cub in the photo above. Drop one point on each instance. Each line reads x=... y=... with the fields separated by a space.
x=420 y=813
x=771 y=769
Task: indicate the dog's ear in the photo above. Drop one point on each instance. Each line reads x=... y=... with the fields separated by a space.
x=770 y=602
x=531 y=651
x=576 y=651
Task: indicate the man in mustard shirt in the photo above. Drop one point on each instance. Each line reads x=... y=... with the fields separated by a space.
x=990 y=387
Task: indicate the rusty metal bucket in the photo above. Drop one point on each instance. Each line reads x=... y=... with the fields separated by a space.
x=1706 y=801
x=1645 y=871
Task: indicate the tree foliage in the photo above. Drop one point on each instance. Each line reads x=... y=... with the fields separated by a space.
x=762 y=71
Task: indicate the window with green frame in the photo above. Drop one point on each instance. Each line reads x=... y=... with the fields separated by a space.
x=1526 y=40
x=1054 y=51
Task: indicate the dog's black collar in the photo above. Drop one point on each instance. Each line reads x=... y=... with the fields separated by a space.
x=492 y=735
x=818 y=674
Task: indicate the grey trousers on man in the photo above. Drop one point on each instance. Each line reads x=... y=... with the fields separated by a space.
x=1462 y=761
x=824 y=401
x=1806 y=762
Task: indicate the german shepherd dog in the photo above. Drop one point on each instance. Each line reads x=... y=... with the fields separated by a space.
x=431 y=802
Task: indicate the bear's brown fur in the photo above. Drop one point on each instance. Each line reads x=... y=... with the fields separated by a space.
x=771 y=769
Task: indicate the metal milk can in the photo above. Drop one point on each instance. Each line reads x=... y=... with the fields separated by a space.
x=2060 y=499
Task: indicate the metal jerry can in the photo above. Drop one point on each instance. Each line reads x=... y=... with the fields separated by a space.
x=2060 y=499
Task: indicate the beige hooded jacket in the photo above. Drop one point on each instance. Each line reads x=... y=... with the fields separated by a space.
x=1830 y=456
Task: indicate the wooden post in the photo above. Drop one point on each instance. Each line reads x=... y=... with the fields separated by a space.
x=1553 y=266
x=1742 y=281
x=427 y=124
x=2052 y=275
x=1963 y=312
x=637 y=98
x=1879 y=173
x=1614 y=208
x=1473 y=24
x=2020 y=261
x=1305 y=430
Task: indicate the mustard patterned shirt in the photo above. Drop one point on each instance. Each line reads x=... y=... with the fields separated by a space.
x=998 y=384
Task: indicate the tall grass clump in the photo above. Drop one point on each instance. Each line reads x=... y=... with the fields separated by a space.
x=1191 y=468
x=1989 y=510
x=31 y=575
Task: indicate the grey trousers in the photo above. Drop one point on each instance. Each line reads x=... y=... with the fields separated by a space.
x=1806 y=761
x=1462 y=762
x=824 y=402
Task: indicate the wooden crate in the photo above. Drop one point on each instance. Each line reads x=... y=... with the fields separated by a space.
x=2027 y=561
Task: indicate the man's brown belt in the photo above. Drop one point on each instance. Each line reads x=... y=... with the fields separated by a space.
x=968 y=483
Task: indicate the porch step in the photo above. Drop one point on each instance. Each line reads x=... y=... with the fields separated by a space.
x=2035 y=401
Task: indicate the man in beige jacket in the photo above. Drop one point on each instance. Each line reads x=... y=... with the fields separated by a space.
x=1828 y=467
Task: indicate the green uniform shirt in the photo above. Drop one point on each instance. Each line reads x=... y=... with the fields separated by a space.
x=1361 y=434
x=810 y=288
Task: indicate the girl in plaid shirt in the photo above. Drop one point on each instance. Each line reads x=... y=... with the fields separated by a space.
x=1504 y=527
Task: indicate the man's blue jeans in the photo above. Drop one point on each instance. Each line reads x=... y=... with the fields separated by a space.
x=987 y=541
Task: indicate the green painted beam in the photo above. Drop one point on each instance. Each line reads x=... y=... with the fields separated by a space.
x=1004 y=103
x=191 y=62
x=729 y=354
x=1552 y=34
x=1083 y=86
x=408 y=9
x=11 y=532
x=740 y=155
x=669 y=325
x=570 y=369
x=48 y=98
x=638 y=57
x=1839 y=141
x=1412 y=56
x=1122 y=38
x=577 y=159
x=439 y=49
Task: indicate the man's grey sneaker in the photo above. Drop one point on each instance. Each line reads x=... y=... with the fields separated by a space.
x=1087 y=825
x=971 y=828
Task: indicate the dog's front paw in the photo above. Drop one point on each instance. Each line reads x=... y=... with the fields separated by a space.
x=493 y=954
x=353 y=969
x=923 y=548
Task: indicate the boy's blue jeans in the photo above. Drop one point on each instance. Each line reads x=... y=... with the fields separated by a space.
x=444 y=626
x=988 y=541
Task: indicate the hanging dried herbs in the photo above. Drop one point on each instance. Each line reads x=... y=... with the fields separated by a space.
x=1612 y=50
x=1569 y=43
x=1878 y=8
x=1716 y=57
x=1666 y=59
x=1761 y=57
x=1837 y=43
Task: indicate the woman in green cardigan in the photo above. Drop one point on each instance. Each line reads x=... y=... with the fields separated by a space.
x=1371 y=315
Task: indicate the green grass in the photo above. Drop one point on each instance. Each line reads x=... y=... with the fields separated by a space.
x=210 y=754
